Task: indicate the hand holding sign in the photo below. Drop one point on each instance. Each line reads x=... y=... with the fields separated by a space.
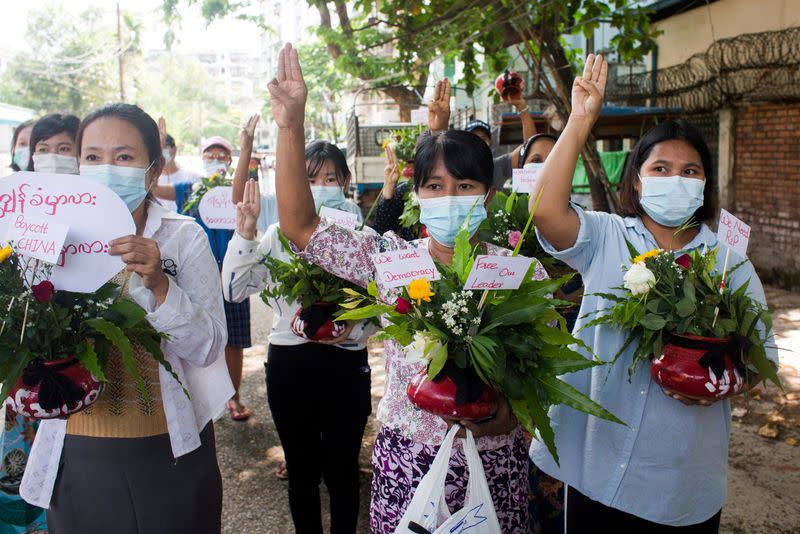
x=399 y=267
x=497 y=272
x=83 y=264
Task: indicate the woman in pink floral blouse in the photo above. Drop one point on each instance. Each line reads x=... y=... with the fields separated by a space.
x=452 y=176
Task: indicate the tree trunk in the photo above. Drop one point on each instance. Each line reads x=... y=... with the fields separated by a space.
x=406 y=98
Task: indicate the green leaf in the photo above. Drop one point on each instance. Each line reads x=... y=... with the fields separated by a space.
x=562 y=393
x=685 y=307
x=653 y=322
x=437 y=362
x=88 y=358
x=372 y=289
x=130 y=312
x=367 y=312
x=542 y=421
x=117 y=337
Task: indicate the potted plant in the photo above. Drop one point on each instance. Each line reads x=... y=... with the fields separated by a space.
x=54 y=345
x=703 y=339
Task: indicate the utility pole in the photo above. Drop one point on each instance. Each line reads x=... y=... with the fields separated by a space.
x=120 y=58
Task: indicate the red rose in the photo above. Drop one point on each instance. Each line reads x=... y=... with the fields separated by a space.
x=684 y=261
x=43 y=291
x=408 y=171
x=423 y=231
x=402 y=305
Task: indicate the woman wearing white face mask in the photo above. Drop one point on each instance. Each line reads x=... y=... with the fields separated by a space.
x=452 y=175
x=666 y=470
x=53 y=144
x=129 y=464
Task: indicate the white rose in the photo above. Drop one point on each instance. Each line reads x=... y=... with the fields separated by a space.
x=639 y=279
x=416 y=350
x=196 y=187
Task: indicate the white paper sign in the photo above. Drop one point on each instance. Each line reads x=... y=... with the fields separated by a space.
x=400 y=267
x=419 y=116
x=733 y=233
x=497 y=272
x=93 y=213
x=345 y=219
x=217 y=210
x=37 y=238
x=524 y=180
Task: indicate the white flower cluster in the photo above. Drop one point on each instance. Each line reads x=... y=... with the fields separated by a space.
x=454 y=313
x=639 y=279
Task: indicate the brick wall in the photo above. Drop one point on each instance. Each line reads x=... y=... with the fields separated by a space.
x=766 y=181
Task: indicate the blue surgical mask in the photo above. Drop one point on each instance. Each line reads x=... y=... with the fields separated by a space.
x=672 y=200
x=55 y=163
x=212 y=167
x=331 y=196
x=444 y=216
x=126 y=182
x=533 y=165
x=22 y=156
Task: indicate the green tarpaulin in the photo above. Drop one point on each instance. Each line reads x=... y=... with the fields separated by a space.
x=613 y=162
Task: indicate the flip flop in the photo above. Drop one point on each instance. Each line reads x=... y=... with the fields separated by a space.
x=237 y=414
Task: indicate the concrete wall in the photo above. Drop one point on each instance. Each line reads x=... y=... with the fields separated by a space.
x=691 y=32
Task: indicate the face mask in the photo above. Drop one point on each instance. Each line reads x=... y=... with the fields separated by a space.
x=22 y=156
x=55 y=163
x=671 y=201
x=327 y=195
x=212 y=167
x=126 y=182
x=167 y=155
x=533 y=166
x=444 y=216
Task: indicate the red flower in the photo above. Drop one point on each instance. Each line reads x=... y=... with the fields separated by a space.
x=684 y=261
x=408 y=171
x=402 y=305
x=43 y=291
x=423 y=231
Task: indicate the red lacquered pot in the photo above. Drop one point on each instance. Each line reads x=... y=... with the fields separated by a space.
x=408 y=170
x=509 y=85
x=54 y=389
x=678 y=369
x=439 y=397
x=316 y=322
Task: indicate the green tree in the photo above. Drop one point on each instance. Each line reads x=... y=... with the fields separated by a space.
x=70 y=65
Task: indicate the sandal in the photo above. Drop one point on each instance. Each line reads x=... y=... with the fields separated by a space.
x=281 y=472
x=238 y=412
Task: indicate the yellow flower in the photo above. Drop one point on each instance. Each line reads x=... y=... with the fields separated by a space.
x=420 y=290
x=647 y=255
x=5 y=253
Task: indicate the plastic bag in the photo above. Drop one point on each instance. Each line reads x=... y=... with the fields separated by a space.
x=428 y=512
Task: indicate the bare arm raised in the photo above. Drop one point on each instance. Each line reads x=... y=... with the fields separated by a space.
x=554 y=219
x=245 y=153
x=296 y=211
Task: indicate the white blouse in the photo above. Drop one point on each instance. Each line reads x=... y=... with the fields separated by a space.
x=194 y=318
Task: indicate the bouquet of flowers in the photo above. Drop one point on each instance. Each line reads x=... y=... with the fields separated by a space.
x=199 y=189
x=508 y=215
x=404 y=143
x=314 y=289
x=700 y=335
x=481 y=343
x=54 y=345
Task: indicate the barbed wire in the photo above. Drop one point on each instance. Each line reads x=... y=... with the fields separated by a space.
x=754 y=66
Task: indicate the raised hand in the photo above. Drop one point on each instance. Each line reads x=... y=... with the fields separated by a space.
x=288 y=90
x=588 y=90
x=248 y=132
x=439 y=107
x=162 y=129
x=391 y=173
x=248 y=210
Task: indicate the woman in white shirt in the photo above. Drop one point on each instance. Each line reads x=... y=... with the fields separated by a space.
x=318 y=392
x=125 y=465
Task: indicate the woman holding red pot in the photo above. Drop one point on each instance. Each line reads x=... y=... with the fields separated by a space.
x=666 y=471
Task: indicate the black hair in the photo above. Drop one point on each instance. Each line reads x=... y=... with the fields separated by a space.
x=526 y=148
x=466 y=156
x=50 y=125
x=667 y=131
x=318 y=152
x=136 y=117
x=169 y=141
x=14 y=138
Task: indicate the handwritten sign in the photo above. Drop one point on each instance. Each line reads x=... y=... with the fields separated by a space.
x=399 y=267
x=733 y=233
x=497 y=272
x=93 y=213
x=419 y=116
x=345 y=219
x=37 y=238
x=217 y=210
x=524 y=180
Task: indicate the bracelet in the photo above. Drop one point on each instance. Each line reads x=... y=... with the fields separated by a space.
x=523 y=110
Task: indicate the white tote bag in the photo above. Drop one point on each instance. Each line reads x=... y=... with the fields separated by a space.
x=428 y=512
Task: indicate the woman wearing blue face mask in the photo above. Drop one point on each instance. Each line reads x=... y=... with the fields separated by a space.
x=20 y=146
x=666 y=470
x=452 y=176
x=53 y=146
x=133 y=464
